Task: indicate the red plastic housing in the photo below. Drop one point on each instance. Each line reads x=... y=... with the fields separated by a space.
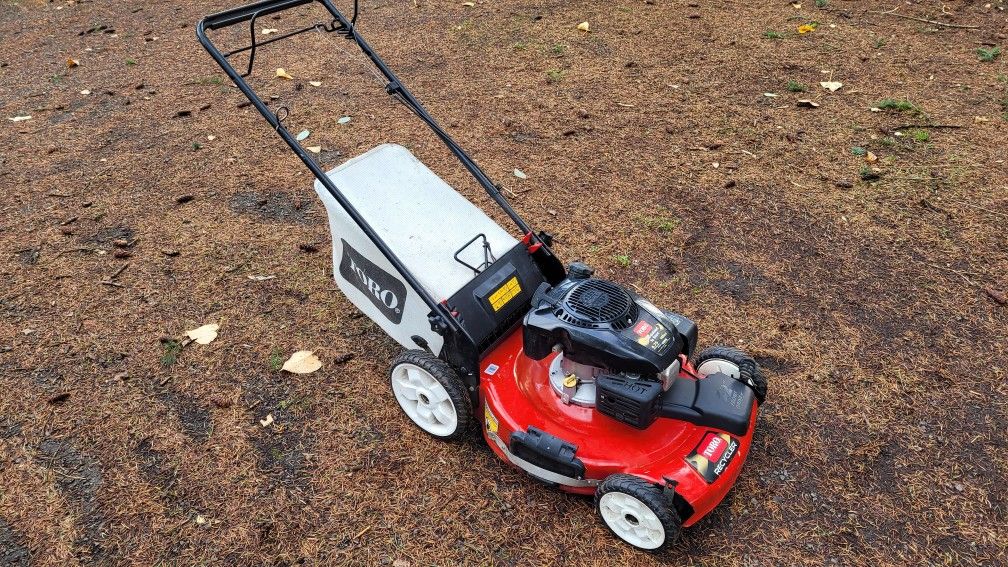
x=519 y=395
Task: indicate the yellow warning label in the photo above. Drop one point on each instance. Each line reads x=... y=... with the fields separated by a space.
x=491 y=421
x=505 y=293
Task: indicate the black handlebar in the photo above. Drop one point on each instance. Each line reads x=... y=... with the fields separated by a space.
x=246 y=13
x=550 y=265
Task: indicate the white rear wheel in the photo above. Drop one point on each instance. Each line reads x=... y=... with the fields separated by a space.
x=713 y=365
x=734 y=363
x=424 y=400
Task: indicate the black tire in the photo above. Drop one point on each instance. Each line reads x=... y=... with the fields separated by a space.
x=750 y=372
x=446 y=376
x=650 y=496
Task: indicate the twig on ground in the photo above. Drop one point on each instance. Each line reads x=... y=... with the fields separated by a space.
x=119 y=271
x=984 y=209
x=78 y=249
x=959 y=273
x=927 y=126
x=924 y=20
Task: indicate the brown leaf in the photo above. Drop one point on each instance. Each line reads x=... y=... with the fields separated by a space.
x=997 y=295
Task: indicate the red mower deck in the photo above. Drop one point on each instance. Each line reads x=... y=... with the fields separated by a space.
x=516 y=394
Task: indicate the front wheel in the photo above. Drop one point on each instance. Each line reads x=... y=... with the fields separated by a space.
x=734 y=363
x=637 y=512
x=431 y=394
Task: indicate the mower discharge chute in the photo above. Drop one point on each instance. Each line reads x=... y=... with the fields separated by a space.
x=578 y=381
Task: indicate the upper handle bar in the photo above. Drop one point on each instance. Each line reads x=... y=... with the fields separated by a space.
x=246 y=13
x=544 y=257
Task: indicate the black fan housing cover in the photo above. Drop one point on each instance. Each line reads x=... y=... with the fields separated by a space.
x=600 y=323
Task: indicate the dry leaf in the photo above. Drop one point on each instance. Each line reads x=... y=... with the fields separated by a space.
x=520 y=174
x=261 y=278
x=870 y=157
x=315 y=83
x=268 y=421
x=875 y=109
x=771 y=95
x=344 y=120
x=204 y=335
x=211 y=138
x=806 y=103
x=85 y=92
x=314 y=149
x=831 y=86
x=996 y=294
x=283 y=74
x=806 y=28
x=302 y=362
x=71 y=63
x=19 y=118
x=267 y=31
x=468 y=4
x=303 y=135
x=584 y=26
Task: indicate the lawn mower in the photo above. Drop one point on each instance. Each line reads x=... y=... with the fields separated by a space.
x=577 y=380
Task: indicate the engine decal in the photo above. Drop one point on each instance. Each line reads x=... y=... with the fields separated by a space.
x=652 y=336
x=713 y=455
x=642 y=328
x=505 y=293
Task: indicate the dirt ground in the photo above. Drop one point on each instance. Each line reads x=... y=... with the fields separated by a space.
x=860 y=254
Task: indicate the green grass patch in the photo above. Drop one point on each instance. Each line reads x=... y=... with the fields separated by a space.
x=554 y=75
x=796 y=87
x=662 y=224
x=622 y=260
x=770 y=34
x=892 y=104
x=170 y=351
x=276 y=360
x=988 y=55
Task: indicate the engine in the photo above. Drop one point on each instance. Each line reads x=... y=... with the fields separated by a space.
x=617 y=351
